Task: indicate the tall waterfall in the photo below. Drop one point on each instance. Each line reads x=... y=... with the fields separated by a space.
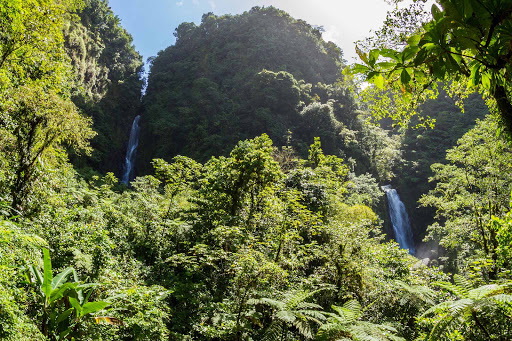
x=399 y=219
x=131 y=152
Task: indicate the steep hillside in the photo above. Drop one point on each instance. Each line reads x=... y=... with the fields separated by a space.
x=107 y=80
x=236 y=77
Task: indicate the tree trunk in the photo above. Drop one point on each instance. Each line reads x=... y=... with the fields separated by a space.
x=504 y=106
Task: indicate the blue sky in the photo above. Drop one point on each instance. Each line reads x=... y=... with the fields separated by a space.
x=152 y=22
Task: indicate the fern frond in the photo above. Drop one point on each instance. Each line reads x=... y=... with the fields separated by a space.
x=454 y=289
x=304 y=328
x=440 y=327
x=423 y=293
x=314 y=315
x=272 y=303
x=353 y=306
x=286 y=316
x=298 y=296
x=330 y=331
x=273 y=333
x=458 y=307
x=463 y=283
x=308 y=305
x=502 y=298
x=437 y=309
x=350 y=311
x=487 y=291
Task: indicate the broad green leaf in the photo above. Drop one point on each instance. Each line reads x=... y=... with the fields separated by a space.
x=414 y=40
x=64 y=333
x=373 y=56
x=58 y=293
x=475 y=74
x=361 y=55
x=385 y=65
x=356 y=68
x=430 y=46
x=47 y=276
x=409 y=52
x=436 y=12
x=379 y=81
x=486 y=80
x=93 y=307
x=61 y=278
x=405 y=78
x=390 y=54
x=37 y=274
x=371 y=75
x=468 y=9
x=64 y=315
x=75 y=304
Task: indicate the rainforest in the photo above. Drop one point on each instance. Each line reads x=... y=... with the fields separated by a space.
x=249 y=183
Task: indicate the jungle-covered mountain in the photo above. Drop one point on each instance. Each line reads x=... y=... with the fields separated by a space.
x=263 y=240
x=235 y=77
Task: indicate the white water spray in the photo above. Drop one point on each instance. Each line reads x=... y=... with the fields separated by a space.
x=131 y=152
x=399 y=219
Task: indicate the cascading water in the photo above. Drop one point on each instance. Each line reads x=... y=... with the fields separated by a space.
x=131 y=152
x=399 y=219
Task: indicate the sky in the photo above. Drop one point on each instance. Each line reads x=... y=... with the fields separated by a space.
x=152 y=22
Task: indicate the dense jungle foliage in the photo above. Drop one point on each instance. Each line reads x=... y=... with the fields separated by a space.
x=258 y=214
x=234 y=77
x=107 y=81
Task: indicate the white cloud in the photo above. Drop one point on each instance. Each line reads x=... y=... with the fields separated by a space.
x=195 y=2
x=332 y=33
x=212 y=4
x=179 y=3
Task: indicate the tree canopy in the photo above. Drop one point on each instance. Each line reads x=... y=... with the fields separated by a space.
x=465 y=42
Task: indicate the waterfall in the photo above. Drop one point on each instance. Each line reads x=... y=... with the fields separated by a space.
x=399 y=219
x=131 y=152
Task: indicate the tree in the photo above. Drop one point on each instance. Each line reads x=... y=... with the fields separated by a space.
x=467 y=43
x=36 y=123
x=31 y=41
x=472 y=188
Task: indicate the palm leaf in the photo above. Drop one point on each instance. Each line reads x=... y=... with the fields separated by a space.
x=61 y=278
x=92 y=307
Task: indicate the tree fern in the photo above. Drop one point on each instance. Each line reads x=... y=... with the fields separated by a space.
x=469 y=309
x=292 y=312
x=345 y=325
